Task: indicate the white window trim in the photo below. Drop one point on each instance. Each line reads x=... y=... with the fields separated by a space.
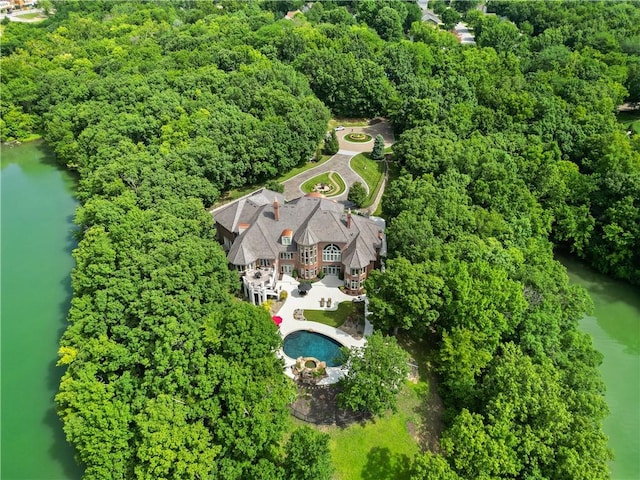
x=331 y=253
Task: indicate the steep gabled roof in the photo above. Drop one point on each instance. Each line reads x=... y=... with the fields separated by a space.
x=241 y=253
x=245 y=210
x=359 y=253
x=312 y=219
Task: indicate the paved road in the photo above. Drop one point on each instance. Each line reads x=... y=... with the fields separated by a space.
x=381 y=128
x=463 y=33
x=338 y=163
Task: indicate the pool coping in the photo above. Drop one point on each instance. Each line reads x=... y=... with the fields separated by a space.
x=328 y=287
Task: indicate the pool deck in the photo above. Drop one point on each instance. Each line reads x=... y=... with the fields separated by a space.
x=325 y=288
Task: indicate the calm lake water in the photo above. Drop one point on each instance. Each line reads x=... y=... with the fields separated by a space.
x=615 y=328
x=36 y=218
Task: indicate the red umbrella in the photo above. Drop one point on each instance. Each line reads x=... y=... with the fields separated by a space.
x=277 y=320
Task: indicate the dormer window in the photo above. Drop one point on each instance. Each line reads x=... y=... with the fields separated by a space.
x=286 y=236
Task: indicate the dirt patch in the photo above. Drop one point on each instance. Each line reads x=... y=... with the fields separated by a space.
x=319 y=405
x=354 y=324
x=432 y=413
x=353 y=327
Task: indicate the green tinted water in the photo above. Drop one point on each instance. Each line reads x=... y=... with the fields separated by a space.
x=36 y=218
x=615 y=328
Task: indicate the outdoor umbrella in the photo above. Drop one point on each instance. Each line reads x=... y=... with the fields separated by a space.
x=277 y=320
x=304 y=287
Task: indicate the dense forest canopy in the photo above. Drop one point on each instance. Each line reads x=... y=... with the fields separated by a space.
x=506 y=149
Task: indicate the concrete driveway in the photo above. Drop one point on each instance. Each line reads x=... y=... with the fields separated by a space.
x=353 y=148
x=464 y=35
x=339 y=163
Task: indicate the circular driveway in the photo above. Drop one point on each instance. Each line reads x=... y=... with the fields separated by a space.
x=339 y=163
x=380 y=128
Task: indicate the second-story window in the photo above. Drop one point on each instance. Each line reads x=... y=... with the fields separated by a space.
x=308 y=255
x=331 y=253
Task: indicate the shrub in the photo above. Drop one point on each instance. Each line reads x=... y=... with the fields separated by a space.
x=283 y=295
x=331 y=144
x=274 y=186
x=357 y=194
x=267 y=305
x=378 y=148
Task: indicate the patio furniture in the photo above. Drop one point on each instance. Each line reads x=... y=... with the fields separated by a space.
x=328 y=303
x=322 y=302
x=304 y=287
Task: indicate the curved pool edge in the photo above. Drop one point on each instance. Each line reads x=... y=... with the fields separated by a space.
x=338 y=344
x=334 y=374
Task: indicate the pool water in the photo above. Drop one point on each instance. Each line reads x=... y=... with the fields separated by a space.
x=310 y=344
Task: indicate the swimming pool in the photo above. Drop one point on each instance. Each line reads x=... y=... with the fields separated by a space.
x=311 y=344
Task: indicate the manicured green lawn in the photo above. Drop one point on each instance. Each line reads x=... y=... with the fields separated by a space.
x=381 y=448
x=330 y=178
x=236 y=193
x=630 y=120
x=348 y=122
x=335 y=318
x=371 y=171
x=295 y=171
x=394 y=172
x=31 y=15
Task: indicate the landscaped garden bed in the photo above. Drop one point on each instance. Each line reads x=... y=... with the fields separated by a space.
x=357 y=137
x=330 y=184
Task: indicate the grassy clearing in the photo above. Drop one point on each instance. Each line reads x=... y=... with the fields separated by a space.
x=32 y=138
x=32 y=15
x=348 y=122
x=630 y=120
x=295 y=171
x=371 y=171
x=382 y=448
x=329 y=178
x=236 y=193
x=335 y=318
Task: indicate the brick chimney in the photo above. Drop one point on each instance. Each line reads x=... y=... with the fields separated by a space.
x=349 y=218
x=276 y=210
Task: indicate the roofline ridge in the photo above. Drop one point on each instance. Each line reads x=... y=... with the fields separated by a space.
x=238 y=212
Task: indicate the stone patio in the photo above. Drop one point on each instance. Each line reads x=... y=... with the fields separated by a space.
x=325 y=288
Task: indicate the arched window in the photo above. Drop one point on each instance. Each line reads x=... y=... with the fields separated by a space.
x=331 y=253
